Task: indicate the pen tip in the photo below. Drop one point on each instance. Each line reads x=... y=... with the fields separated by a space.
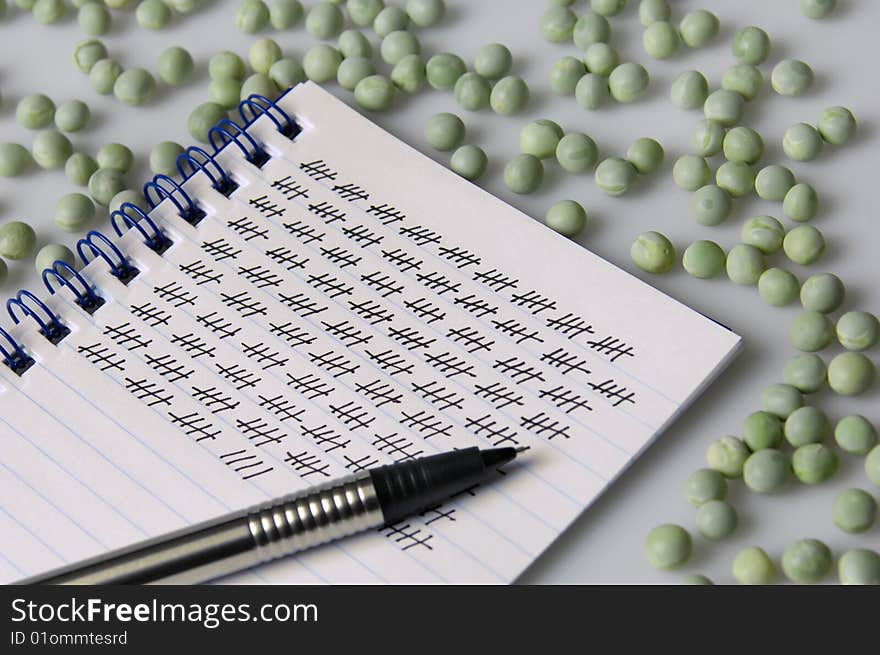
x=521 y=449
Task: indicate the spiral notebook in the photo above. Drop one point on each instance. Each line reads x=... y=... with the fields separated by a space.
x=309 y=299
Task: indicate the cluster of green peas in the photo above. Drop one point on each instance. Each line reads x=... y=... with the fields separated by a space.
x=94 y=17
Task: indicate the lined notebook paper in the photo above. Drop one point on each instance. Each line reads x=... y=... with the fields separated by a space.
x=351 y=303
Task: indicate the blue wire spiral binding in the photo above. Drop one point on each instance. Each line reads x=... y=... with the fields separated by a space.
x=17 y=360
x=120 y=269
x=85 y=298
x=258 y=156
x=195 y=159
x=157 y=241
x=188 y=211
x=260 y=105
x=53 y=329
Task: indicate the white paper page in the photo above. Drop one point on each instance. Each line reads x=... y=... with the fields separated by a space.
x=352 y=303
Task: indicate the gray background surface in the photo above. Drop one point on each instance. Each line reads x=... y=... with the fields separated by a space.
x=605 y=544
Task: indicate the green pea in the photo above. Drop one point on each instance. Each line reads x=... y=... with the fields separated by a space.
x=806 y=372
x=94 y=19
x=163 y=158
x=811 y=332
x=262 y=54
x=374 y=93
x=87 y=53
x=136 y=198
x=35 y=111
x=764 y=233
x=225 y=91
x=262 y=85
x=153 y=14
x=743 y=79
x=858 y=330
x=752 y=566
x=51 y=253
x=698 y=28
x=801 y=202
x=778 y=287
x=806 y=561
x=444 y=69
x=325 y=21
x=469 y=161
x=17 y=240
x=762 y=430
x=565 y=74
x=72 y=116
x=135 y=86
x=745 y=264
x=690 y=172
x=557 y=24
x=607 y=7
x=804 y=245
x=601 y=58
x=704 y=485
x=364 y=12
x=736 y=178
x=104 y=74
x=576 y=152
x=509 y=96
x=817 y=9
x=854 y=510
x=703 y=259
x=615 y=176
x=566 y=217
x=695 y=579
x=716 y=519
x=711 y=205
x=181 y=6
x=724 y=107
x=284 y=14
x=4 y=271
x=652 y=252
x=398 y=45
x=814 y=463
x=352 y=70
x=850 y=374
x=802 y=142
x=540 y=138
x=751 y=45
x=286 y=73
x=203 y=118
x=252 y=16
x=806 y=425
x=822 y=292
x=653 y=10
x=524 y=173
x=353 y=43
x=50 y=149
x=773 y=182
x=104 y=184
x=667 y=546
x=837 y=125
x=225 y=65
x=645 y=155
x=444 y=131
x=390 y=20
x=791 y=77
x=591 y=91
x=590 y=28
x=115 y=156
x=859 y=566
x=628 y=82
x=855 y=434
x=689 y=90
x=425 y=13
x=872 y=465
x=660 y=40
x=781 y=400
x=79 y=168
x=321 y=62
x=49 y=12
x=14 y=159
x=743 y=144
x=493 y=61
x=26 y=5
x=707 y=139
x=472 y=91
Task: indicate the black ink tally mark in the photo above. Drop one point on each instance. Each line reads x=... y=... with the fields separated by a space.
x=425 y=310
x=220 y=249
x=127 y=336
x=244 y=304
x=358 y=464
x=566 y=362
x=380 y=393
x=396 y=446
x=495 y=280
x=438 y=283
x=340 y=256
x=150 y=314
x=194 y=345
x=263 y=355
x=336 y=364
x=259 y=432
x=293 y=334
x=302 y=304
x=218 y=324
x=565 y=399
x=460 y=257
x=306 y=464
x=450 y=365
x=362 y=235
x=391 y=362
x=386 y=214
x=488 y=428
x=214 y=399
x=350 y=192
x=304 y=232
x=476 y=305
x=570 y=325
x=410 y=338
x=148 y=392
x=248 y=466
x=385 y=285
x=195 y=425
x=102 y=357
x=267 y=208
x=612 y=348
x=470 y=339
x=406 y=536
x=438 y=395
x=168 y=367
x=421 y=236
x=544 y=426
x=318 y=170
x=174 y=294
x=533 y=302
x=347 y=333
x=238 y=376
x=327 y=212
x=200 y=273
x=438 y=513
x=499 y=395
x=287 y=258
x=329 y=285
x=616 y=393
x=309 y=385
x=282 y=408
x=325 y=438
x=518 y=370
x=401 y=260
x=248 y=229
x=426 y=424
x=371 y=311
x=352 y=415
x=517 y=331
x=260 y=276
x=289 y=189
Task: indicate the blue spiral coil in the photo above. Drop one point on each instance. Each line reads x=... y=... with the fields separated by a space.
x=154 y=238
x=50 y=325
x=85 y=295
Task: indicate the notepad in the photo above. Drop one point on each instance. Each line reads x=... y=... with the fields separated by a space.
x=312 y=299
